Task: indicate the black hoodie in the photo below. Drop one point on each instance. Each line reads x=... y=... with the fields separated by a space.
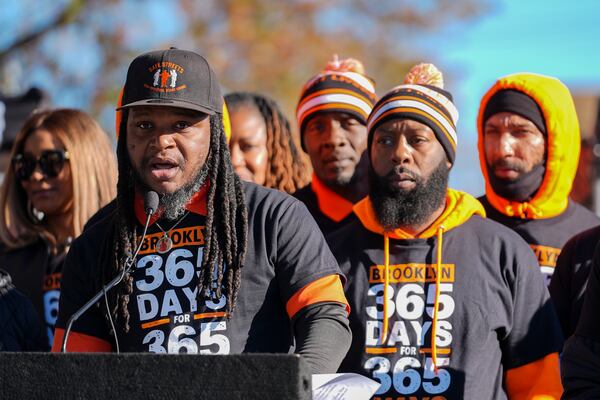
x=496 y=331
x=20 y=326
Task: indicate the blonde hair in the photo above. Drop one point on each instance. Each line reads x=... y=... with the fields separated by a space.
x=93 y=170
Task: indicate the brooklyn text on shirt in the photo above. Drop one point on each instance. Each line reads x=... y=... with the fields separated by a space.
x=547 y=257
x=187 y=236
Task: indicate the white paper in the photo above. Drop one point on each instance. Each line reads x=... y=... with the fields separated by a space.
x=343 y=387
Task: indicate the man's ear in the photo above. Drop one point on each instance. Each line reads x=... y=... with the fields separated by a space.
x=448 y=164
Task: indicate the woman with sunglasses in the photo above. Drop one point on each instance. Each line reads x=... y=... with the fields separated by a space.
x=63 y=170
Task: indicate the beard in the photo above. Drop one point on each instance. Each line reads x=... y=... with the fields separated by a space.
x=173 y=204
x=522 y=188
x=395 y=207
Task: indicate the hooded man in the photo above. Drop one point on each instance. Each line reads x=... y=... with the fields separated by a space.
x=332 y=113
x=226 y=267
x=445 y=304
x=529 y=151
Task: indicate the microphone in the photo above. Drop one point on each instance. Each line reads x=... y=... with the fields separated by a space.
x=151 y=202
x=150 y=206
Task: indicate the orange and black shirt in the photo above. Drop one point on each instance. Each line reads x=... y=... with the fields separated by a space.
x=547 y=236
x=287 y=268
x=330 y=210
x=494 y=317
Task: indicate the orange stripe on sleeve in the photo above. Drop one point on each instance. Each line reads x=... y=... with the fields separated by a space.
x=539 y=380
x=326 y=289
x=80 y=343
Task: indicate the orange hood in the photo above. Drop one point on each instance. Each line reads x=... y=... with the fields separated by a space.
x=563 y=146
x=460 y=206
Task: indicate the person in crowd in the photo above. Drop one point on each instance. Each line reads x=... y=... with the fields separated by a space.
x=445 y=303
x=63 y=170
x=332 y=113
x=580 y=361
x=262 y=147
x=21 y=328
x=226 y=267
x=569 y=281
x=529 y=146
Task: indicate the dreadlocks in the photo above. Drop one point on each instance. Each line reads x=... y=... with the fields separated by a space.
x=225 y=235
x=287 y=169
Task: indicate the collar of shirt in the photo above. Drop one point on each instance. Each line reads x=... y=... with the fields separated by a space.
x=334 y=206
x=197 y=204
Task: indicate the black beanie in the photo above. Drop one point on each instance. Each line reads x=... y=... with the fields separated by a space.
x=517 y=102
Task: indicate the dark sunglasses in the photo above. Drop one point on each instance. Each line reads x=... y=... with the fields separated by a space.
x=51 y=162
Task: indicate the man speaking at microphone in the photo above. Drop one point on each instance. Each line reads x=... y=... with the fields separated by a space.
x=226 y=267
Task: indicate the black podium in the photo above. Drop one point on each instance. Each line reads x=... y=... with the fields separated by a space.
x=150 y=376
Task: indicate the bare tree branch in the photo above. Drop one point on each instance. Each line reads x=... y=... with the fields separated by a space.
x=68 y=15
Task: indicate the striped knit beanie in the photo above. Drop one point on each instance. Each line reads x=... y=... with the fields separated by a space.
x=423 y=99
x=341 y=87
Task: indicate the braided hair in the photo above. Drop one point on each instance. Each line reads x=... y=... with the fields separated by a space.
x=226 y=231
x=287 y=169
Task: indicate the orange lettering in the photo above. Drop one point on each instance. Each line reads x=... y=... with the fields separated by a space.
x=546 y=255
x=402 y=273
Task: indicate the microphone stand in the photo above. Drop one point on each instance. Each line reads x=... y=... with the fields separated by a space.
x=114 y=282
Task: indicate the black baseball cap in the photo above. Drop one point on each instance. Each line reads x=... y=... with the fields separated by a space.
x=174 y=78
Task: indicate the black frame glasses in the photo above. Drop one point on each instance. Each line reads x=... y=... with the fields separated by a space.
x=51 y=162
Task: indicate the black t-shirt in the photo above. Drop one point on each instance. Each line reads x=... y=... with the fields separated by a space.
x=546 y=236
x=21 y=328
x=37 y=273
x=286 y=252
x=580 y=362
x=589 y=323
x=567 y=287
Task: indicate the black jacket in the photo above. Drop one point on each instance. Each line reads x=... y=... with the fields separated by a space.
x=37 y=274
x=20 y=327
x=580 y=362
x=567 y=287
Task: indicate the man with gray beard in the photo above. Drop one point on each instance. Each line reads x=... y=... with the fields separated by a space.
x=444 y=303
x=227 y=267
